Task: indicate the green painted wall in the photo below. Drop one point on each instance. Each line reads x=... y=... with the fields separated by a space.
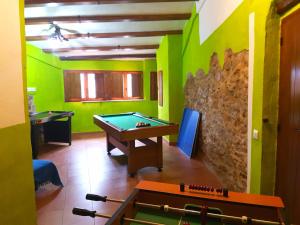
x=17 y=201
x=234 y=34
x=162 y=56
x=170 y=62
x=45 y=72
x=175 y=79
x=197 y=56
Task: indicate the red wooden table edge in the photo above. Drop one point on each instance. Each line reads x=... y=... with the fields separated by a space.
x=234 y=197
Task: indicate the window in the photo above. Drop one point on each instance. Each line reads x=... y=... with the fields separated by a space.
x=153 y=86
x=102 y=85
x=160 y=88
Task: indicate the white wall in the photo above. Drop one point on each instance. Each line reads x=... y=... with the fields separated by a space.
x=212 y=14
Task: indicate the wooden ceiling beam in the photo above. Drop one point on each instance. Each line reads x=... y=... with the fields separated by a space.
x=102 y=48
x=109 y=35
x=284 y=5
x=99 y=57
x=99 y=2
x=106 y=18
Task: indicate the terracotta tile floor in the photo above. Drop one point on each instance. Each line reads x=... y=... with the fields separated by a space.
x=84 y=167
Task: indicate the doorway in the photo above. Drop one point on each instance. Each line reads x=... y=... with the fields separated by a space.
x=288 y=153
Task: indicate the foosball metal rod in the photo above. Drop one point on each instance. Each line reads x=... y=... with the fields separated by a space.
x=85 y=212
x=242 y=219
x=166 y=208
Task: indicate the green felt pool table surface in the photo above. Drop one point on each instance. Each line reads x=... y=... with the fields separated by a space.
x=155 y=216
x=128 y=121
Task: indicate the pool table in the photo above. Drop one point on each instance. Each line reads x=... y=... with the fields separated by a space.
x=121 y=133
x=50 y=126
x=162 y=203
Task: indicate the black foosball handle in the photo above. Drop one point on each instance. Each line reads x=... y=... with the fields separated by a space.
x=83 y=212
x=225 y=192
x=181 y=187
x=94 y=197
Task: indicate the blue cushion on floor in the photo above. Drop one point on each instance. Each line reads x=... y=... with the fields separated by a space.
x=45 y=172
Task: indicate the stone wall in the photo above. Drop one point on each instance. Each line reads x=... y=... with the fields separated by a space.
x=222 y=97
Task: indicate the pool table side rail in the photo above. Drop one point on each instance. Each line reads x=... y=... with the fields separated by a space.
x=234 y=197
x=154 y=119
x=135 y=133
x=119 y=114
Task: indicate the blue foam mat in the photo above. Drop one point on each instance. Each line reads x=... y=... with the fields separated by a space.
x=188 y=131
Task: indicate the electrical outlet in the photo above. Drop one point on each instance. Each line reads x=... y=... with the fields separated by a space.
x=255 y=134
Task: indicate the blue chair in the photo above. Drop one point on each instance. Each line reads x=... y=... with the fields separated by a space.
x=45 y=172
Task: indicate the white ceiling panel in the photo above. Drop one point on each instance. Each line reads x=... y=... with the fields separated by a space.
x=92 y=42
x=110 y=9
x=131 y=59
x=107 y=27
x=101 y=53
x=140 y=9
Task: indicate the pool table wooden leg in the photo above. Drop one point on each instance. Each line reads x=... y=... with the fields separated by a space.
x=144 y=156
x=159 y=154
x=132 y=160
x=109 y=146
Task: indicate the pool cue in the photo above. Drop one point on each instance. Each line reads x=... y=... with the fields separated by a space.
x=166 y=208
x=93 y=214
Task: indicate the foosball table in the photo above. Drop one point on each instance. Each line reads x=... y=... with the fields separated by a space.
x=156 y=203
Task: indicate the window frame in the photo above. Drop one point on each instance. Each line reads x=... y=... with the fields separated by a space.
x=104 y=99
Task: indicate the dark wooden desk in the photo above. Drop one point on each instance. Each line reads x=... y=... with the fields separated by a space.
x=50 y=126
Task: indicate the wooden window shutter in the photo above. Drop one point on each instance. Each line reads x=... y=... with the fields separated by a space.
x=99 y=80
x=153 y=86
x=160 y=88
x=137 y=85
x=72 y=87
x=117 y=85
x=113 y=85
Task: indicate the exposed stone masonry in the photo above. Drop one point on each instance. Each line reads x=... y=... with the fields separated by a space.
x=222 y=97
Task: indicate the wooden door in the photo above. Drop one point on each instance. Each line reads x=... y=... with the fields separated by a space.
x=288 y=153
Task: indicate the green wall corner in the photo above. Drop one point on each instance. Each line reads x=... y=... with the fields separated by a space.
x=170 y=62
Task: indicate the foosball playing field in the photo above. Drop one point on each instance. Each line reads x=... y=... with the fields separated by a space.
x=156 y=203
x=173 y=218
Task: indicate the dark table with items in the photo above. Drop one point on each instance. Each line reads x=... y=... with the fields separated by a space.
x=50 y=126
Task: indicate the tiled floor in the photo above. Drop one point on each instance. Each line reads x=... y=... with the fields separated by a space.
x=84 y=167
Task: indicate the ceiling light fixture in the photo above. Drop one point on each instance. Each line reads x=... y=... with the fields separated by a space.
x=57 y=34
